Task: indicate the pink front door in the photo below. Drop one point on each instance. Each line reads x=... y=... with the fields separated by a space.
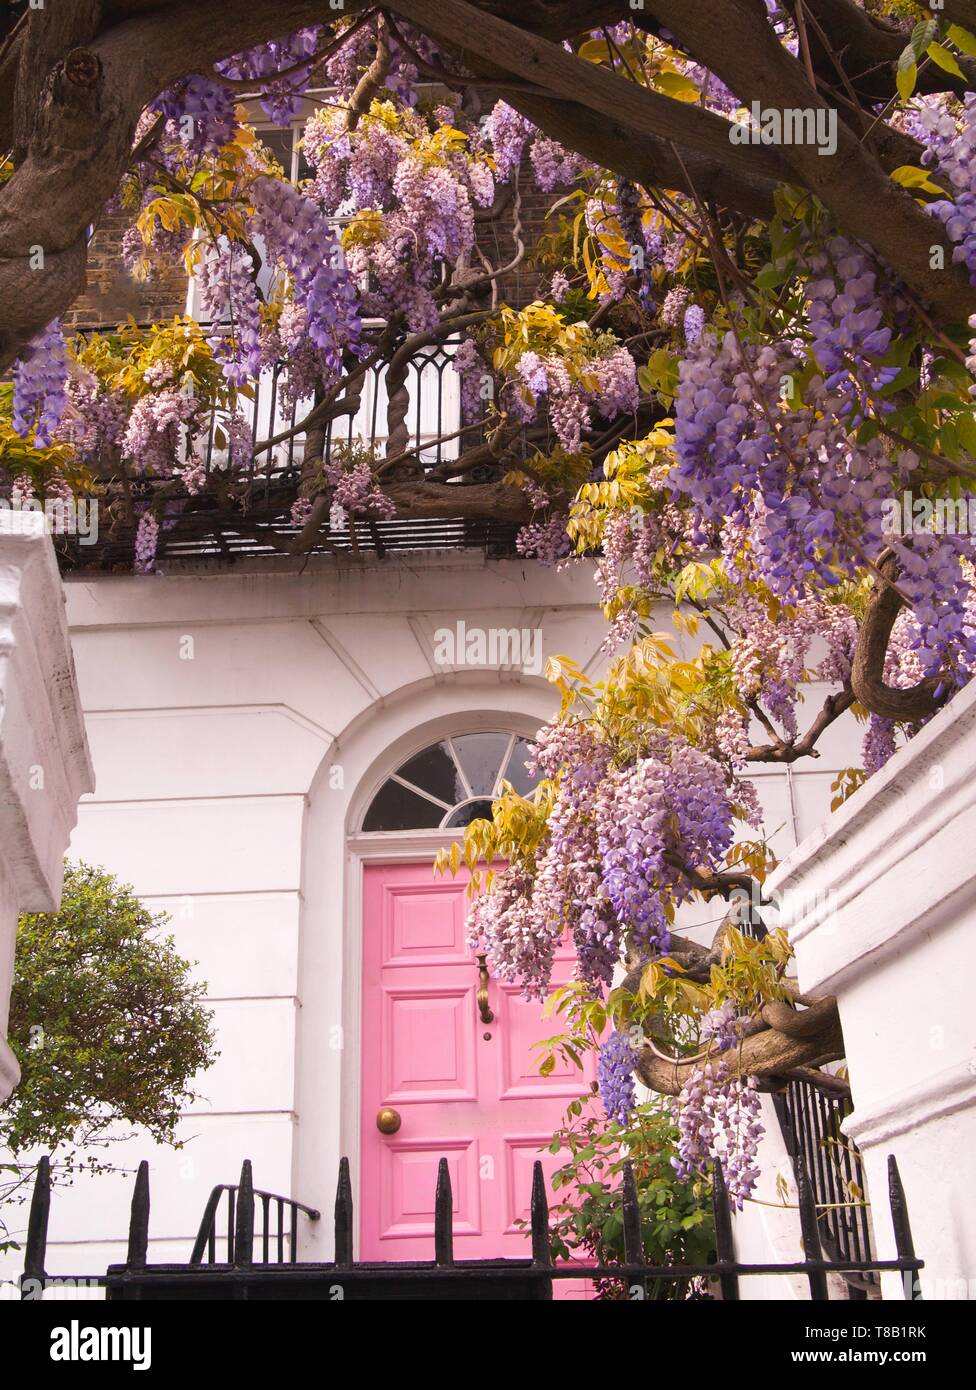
x=465 y=1090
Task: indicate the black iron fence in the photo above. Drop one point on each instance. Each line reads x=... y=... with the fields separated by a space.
x=810 y=1119
x=210 y=527
x=251 y=1271
x=811 y=1123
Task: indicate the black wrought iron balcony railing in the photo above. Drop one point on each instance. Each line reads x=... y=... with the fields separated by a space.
x=432 y=421
x=202 y=529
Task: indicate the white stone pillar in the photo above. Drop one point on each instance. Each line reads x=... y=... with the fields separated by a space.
x=44 y=761
x=880 y=904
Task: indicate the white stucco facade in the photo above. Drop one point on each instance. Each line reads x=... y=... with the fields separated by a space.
x=240 y=723
x=881 y=908
x=44 y=761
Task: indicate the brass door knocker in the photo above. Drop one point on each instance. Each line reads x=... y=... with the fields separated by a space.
x=483 y=1010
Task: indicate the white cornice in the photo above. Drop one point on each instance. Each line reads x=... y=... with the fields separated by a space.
x=896 y=858
x=907 y=1110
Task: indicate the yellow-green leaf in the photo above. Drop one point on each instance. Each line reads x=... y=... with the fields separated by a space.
x=594 y=51
x=944 y=59
x=676 y=85
x=962 y=38
x=911 y=176
x=905 y=81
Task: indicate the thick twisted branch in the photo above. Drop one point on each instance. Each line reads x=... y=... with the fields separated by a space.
x=81 y=84
x=736 y=41
x=867 y=673
x=772 y=1054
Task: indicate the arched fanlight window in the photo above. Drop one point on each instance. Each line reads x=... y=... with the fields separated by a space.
x=451 y=783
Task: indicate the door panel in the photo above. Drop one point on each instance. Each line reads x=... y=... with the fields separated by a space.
x=521 y=1025
x=412 y=1169
x=428 y=1047
x=476 y=1100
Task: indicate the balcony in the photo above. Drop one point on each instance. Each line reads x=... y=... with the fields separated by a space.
x=204 y=529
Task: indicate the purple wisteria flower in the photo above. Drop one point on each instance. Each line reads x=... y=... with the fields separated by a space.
x=615 y=1075
x=40 y=385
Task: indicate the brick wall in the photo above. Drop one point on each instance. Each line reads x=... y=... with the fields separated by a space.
x=525 y=283
x=113 y=295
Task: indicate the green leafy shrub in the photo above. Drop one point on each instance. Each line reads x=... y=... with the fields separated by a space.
x=587 y=1220
x=107 y=1026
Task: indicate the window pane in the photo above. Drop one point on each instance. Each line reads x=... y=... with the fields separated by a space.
x=305 y=170
x=396 y=808
x=481 y=757
x=280 y=143
x=464 y=815
x=521 y=779
x=435 y=771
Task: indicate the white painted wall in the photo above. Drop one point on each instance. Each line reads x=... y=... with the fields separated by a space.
x=44 y=762
x=880 y=904
x=214 y=800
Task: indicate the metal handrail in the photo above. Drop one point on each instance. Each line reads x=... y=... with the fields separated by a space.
x=206 y=1240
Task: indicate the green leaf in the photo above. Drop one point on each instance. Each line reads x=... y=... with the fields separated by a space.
x=771 y=277
x=962 y=38
x=907 y=74
x=922 y=35
x=944 y=59
x=905 y=377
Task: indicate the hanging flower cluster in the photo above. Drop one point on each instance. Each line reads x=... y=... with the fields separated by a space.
x=614 y=861
x=411 y=193
x=40 y=382
x=576 y=372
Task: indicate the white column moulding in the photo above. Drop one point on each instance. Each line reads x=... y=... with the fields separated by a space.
x=44 y=761
x=880 y=904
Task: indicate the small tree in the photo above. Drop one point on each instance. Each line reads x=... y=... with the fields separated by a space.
x=106 y=1024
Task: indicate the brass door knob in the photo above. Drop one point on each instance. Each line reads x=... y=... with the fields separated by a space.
x=388 y=1120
